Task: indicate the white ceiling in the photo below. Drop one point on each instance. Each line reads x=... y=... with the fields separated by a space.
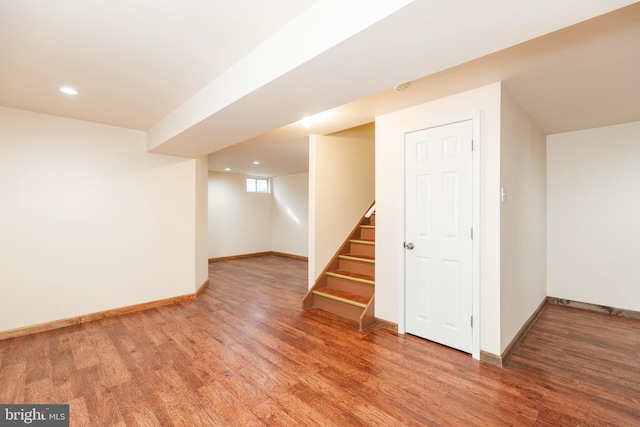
x=160 y=66
x=580 y=77
x=132 y=61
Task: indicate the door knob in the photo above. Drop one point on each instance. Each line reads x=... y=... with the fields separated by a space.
x=408 y=246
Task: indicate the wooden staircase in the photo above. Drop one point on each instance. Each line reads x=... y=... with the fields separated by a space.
x=347 y=285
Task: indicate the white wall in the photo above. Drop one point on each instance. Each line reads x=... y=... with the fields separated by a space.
x=89 y=220
x=202 y=220
x=523 y=225
x=239 y=222
x=342 y=187
x=242 y=223
x=389 y=172
x=290 y=214
x=593 y=209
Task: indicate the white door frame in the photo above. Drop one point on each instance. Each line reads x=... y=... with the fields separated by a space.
x=475 y=117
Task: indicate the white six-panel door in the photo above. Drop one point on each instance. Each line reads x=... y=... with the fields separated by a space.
x=438 y=253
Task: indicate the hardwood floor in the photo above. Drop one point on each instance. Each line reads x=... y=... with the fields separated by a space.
x=245 y=354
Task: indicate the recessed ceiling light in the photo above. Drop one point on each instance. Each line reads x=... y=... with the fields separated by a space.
x=68 y=90
x=227 y=169
x=256 y=162
x=316 y=118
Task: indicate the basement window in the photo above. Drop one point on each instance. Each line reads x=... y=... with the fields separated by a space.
x=257 y=185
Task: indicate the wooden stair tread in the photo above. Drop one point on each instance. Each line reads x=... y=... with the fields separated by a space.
x=352 y=276
x=358 y=257
x=363 y=242
x=343 y=296
x=368 y=226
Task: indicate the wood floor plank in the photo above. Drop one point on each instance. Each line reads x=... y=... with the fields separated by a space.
x=272 y=414
x=13 y=382
x=222 y=405
x=245 y=354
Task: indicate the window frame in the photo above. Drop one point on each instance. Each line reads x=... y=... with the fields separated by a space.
x=256 y=186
